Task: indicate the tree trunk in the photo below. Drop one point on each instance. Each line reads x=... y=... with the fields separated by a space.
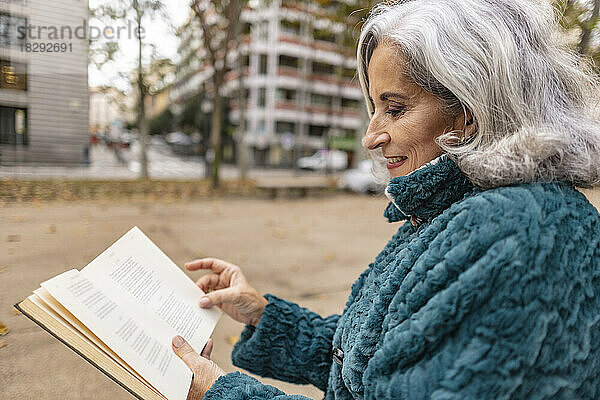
x=215 y=135
x=240 y=144
x=142 y=122
x=587 y=28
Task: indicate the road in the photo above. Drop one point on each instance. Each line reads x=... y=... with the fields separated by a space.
x=163 y=164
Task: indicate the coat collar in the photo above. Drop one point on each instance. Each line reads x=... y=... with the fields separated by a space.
x=426 y=192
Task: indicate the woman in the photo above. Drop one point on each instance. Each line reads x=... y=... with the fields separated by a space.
x=492 y=290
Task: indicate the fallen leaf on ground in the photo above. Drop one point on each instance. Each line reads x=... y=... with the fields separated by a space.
x=2 y=269
x=3 y=330
x=280 y=234
x=13 y=238
x=329 y=257
x=51 y=229
x=2 y=343
x=232 y=339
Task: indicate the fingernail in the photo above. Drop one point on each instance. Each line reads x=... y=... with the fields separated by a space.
x=204 y=301
x=178 y=342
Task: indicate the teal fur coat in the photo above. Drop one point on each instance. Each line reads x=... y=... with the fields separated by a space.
x=489 y=294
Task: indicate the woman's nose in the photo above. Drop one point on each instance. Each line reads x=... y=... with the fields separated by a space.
x=375 y=140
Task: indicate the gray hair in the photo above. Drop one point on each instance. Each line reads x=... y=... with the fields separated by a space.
x=506 y=62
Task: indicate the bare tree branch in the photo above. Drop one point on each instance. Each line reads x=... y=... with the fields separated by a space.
x=207 y=36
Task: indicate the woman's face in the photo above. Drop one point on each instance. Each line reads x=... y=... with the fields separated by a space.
x=407 y=119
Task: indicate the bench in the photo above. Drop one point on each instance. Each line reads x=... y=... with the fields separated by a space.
x=293 y=188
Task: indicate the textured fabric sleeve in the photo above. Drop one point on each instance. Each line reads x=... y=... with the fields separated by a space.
x=290 y=343
x=239 y=386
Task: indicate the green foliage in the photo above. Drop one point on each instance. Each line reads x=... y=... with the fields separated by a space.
x=162 y=123
x=580 y=18
x=192 y=117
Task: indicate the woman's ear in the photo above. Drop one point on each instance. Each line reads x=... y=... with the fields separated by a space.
x=470 y=126
x=466 y=123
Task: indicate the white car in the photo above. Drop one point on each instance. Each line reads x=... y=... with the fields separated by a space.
x=334 y=160
x=361 y=179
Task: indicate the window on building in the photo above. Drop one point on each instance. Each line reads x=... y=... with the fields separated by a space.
x=261 y=127
x=13 y=75
x=322 y=68
x=246 y=94
x=262 y=97
x=13 y=126
x=317 y=130
x=349 y=73
x=289 y=61
x=321 y=99
x=290 y=27
x=324 y=35
x=262 y=65
x=246 y=60
x=12 y=30
x=263 y=30
x=282 y=127
x=350 y=103
x=286 y=94
x=246 y=28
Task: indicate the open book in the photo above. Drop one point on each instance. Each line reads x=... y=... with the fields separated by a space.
x=121 y=312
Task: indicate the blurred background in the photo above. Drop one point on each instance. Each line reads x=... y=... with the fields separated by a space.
x=221 y=128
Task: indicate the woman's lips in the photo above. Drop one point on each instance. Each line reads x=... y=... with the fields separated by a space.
x=394 y=163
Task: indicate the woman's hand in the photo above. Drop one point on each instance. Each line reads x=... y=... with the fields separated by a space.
x=206 y=372
x=227 y=288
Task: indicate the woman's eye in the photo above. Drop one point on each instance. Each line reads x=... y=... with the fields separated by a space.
x=396 y=111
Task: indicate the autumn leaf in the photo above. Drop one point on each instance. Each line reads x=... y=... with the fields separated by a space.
x=232 y=339
x=13 y=238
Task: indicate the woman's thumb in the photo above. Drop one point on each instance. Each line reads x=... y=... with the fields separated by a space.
x=185 y=352
x=217 y=297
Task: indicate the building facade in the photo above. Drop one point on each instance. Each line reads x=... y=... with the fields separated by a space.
x=43 y=82
x=300 y=89
x=107 y=110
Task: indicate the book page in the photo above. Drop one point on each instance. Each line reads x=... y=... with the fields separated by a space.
x=50 y=306
x=43 y=299
x=140 y=277
x=125 y=334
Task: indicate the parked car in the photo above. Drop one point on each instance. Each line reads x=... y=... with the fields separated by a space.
x=334 y=160
x=361 y=179
x=180 y=143
x=125 y=139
